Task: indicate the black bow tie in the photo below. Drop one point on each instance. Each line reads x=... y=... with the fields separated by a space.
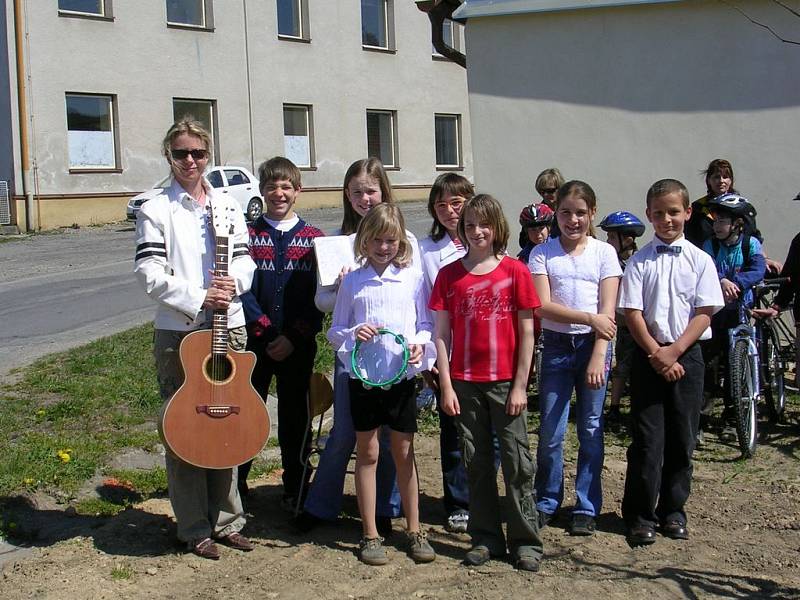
x=668 y=249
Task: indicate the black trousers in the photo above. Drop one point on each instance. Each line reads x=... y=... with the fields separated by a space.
x=292 y=379
x=664 y=425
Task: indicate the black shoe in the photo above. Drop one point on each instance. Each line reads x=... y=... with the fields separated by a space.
x=527 y=563
x=384 y=526
x=544 y=518
x=675 y=530
x=582 y=525
x=305 y=522
x=477 y=556
x=641 y=535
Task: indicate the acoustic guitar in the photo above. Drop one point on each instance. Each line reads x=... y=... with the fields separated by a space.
x=216 y=419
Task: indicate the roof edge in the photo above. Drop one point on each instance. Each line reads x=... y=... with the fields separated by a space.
x=500 y=8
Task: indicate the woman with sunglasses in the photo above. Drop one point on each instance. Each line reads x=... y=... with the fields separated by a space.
x=175 y=264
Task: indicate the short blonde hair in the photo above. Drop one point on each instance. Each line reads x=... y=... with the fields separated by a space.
x=383 y=219
x=549 y=178
x=188 y=125
x=486 y=209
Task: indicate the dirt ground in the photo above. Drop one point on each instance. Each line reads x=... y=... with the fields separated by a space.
x=744 y=522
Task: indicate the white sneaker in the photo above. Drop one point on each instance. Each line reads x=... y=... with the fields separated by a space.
x=458 y=521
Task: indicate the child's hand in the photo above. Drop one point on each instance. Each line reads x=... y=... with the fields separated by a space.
x=366 y=332
x=342 y=273
x=449 y=402
x=604 y=325
x=415 y=353
x=596 y=371
x=279 y=348
x=774 y=266
x=730 y=291
x=517 y=402
x=674 y=373
x=765 y=313
x=662 y=359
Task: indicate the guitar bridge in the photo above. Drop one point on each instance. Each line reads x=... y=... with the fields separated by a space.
x=217 y=411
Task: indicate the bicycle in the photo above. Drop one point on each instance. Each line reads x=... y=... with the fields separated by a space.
x=773 y=354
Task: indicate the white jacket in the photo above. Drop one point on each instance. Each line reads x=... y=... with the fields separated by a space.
x=169 y=261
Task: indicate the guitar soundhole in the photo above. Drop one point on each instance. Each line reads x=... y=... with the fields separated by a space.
x=218 y=368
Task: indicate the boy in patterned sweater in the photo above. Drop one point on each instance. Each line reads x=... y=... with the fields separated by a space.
x=282 y=319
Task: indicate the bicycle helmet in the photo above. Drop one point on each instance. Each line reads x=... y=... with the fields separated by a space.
x=733 y=204
x=624 y=222
x=536 y=215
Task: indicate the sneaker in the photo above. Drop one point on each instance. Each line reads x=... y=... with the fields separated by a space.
x=728 y=433
x=384 y=526
x=419 y=548
x=372 y=552
x=581 y=525
x=458 y=521
x=477 y=556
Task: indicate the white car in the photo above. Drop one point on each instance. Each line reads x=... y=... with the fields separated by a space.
x=236 y=181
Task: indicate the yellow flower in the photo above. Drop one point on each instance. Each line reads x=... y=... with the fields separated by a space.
x=28 y=481
x=64 y=456
x=40 y=412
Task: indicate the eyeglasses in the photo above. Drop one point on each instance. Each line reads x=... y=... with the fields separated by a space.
x=181 y=154
x=544 y=191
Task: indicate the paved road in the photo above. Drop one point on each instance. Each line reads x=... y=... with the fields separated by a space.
x=63 y=289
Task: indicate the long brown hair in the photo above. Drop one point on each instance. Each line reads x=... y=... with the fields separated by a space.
x=372 y=167
x=486 y=209
x=452 y=184
x=582 y=190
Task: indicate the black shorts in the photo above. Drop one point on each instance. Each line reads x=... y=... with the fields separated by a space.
x=374 y=407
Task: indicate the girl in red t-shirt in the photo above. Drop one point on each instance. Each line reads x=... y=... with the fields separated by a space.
x=484 y=342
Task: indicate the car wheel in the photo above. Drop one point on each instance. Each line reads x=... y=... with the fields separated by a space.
x=254 y=209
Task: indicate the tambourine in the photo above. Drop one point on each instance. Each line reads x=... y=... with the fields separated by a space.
x=382 y=361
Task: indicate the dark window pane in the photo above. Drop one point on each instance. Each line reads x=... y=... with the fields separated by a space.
x=289 y=18
x=236 y=177
x=446 y=140
x=88 y=113
x=186 y=12
x=90 y=135
x=380 y=141
x=215 y=179
x=373 y=23
x=295 y=120
x=197 y=109
x=93 y=7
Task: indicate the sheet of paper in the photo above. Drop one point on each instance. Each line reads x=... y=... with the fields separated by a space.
x=333 y=253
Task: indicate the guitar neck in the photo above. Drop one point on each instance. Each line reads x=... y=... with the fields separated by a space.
x=219 y=324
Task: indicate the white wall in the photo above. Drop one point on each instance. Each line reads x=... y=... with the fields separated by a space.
x=622 y=97
x=146 y=64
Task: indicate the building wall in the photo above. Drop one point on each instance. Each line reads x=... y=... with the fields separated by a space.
x=622 y=97
x=146 y=64
x=6 y=144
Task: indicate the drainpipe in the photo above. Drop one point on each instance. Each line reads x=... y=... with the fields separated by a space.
x=27 y=187
x=249 y=89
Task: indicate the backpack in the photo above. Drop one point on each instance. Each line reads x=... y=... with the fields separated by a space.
x=745 y=247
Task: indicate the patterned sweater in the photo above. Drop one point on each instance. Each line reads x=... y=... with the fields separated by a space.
x=281 y=299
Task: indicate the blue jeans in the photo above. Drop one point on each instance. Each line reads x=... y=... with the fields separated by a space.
x=565 y=358
x=325 y=497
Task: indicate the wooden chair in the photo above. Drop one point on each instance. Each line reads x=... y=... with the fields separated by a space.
x=319 y=401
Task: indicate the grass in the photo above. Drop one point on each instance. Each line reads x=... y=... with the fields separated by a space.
x=121 y=572
x=71 y=412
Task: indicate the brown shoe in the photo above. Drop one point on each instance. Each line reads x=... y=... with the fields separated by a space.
x=237 y=541
x=206 y=548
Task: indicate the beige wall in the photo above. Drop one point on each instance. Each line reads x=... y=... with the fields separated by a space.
x=146 y=64
x=623 y=97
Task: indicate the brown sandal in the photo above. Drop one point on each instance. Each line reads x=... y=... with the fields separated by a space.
x=237 y=541
x=206 y=548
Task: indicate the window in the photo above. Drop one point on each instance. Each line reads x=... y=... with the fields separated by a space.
x=236 y=177
x=382 y=136
x=93 y=8
x=91 y=132
x=215 y=179
x=189 y=13
x=451 y=32
x=448 y=140
x=298 y=140
x=203 y=111
x=293 y=19
x=377 y=24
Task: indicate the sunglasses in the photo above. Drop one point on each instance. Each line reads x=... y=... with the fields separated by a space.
x=544 y=191
x=181 y=154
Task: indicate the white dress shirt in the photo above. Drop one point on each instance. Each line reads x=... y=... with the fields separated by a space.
x=436 y=255
x=668 y=286
x=396 y=300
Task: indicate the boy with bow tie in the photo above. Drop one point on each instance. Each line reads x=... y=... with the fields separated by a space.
x=669 y=292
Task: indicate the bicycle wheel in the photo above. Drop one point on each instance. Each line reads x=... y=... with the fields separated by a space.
x=774 y=391
x=744 y=398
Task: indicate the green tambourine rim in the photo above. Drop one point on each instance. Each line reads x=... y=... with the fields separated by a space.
x=389 y=382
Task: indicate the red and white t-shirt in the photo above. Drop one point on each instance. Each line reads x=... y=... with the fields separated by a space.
x=483 y=317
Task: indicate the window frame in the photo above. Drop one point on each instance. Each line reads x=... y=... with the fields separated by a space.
x=456 y=34
x=208 y=18
x=114 y=121
x=388 y=20
x=395 y=166
x=106 y=12
x=309 y=108
x=214 y=129
x=305 y=30
x=459 y=165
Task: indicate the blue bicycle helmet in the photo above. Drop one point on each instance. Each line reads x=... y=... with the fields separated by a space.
x=623 y=222
x=733 y=204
